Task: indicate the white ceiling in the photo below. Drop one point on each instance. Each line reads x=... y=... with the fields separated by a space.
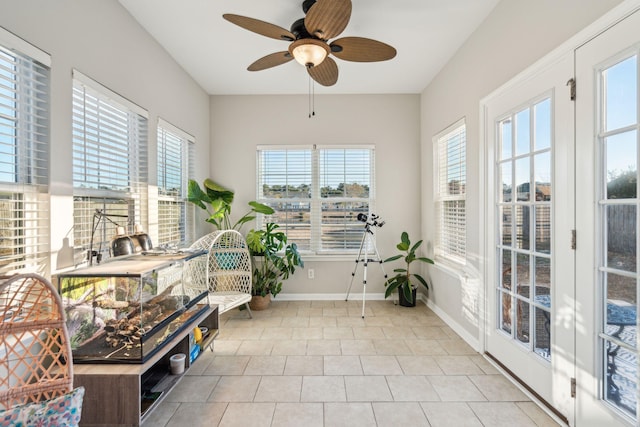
x=216 y=53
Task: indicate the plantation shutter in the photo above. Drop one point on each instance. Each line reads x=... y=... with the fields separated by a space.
x=24 y=156
x=451 y=192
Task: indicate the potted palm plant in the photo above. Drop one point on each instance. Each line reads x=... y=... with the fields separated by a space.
x=273 y=262
x=216 y=200
x=405 y=281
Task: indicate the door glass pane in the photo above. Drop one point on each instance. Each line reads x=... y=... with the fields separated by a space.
x=504 y=312
x=543 y=278
x=523 y=132
x=506 y=269
x=542 y=111
x=543 y=229
x=621 y=308
x=621 y=367
x=621 y=237
x=506 y=139
x=506 y=217
x=523 y=222
x=523 y=176
x=542 y=176
x=542 y=333
x=523 y=281
x=522 y=318
x=506 y=181
x=622 y=167
x=621 y=88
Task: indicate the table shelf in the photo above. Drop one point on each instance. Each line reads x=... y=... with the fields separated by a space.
x=115 y=393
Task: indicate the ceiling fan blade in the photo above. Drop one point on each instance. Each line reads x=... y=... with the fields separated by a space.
x=271 y=60
x=260 y=27
x=328 y=18
x=326 y=73
x=360 y=49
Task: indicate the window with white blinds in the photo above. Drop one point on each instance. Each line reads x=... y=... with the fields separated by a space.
x=109 y=164
x=451 y=179
x=317 y=193
x=175 y=167
x=24 y=158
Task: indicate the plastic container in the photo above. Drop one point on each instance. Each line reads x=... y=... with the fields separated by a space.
x=193 y=354
x=204 y=331
x=177 y=363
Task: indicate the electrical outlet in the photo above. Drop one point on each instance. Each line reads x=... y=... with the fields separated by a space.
x=311 y=273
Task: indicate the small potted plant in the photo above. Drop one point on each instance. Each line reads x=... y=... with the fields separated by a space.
x=217 y=200
x=405 y=281
x=273 y=262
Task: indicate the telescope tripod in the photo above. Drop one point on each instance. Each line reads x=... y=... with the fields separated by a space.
x=364 y=246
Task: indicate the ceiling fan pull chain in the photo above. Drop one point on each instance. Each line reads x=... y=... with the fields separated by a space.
x=312 y=98
x=309 y=96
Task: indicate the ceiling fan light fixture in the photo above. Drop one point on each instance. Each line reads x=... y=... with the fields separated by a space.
x=309 y=52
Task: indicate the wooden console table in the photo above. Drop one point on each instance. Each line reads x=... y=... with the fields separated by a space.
x=114 y=392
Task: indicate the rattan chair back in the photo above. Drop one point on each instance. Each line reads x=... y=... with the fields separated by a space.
x=35 y=353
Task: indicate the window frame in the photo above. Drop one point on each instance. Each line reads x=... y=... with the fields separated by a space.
x=316 y=200
x=448 y=247
x=25 y=135
x=179 y=198
x=134 y=194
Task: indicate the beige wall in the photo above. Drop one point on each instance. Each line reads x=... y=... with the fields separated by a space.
x=514 y=36
x=100 y=39
x=390 y=122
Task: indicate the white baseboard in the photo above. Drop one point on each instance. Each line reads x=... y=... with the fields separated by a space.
x=327 y=297
x=464 y=334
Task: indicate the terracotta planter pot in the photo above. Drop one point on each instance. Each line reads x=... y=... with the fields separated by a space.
x=259 y=302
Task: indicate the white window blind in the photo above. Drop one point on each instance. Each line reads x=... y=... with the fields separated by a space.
x=345 y=182
x=175 y=160
x=450 y=148
x=317 y=193
x=109 y=164
x=24 y=158
x=91 y=232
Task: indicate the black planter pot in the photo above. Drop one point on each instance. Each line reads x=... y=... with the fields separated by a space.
x=403 y=301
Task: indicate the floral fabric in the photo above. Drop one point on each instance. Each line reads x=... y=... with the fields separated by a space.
x=63 y=411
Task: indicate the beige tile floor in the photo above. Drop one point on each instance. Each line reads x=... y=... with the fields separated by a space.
x=318 y=363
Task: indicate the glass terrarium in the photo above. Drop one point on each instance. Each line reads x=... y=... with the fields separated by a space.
x=127 y=309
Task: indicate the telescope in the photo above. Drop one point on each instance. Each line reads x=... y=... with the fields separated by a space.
x=371 y=220
x=368 y=253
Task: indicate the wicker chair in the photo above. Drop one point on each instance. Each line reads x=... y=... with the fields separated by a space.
x=35 y=357
x=228 y=275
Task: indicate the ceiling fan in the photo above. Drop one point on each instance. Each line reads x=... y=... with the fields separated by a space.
x=309 y=37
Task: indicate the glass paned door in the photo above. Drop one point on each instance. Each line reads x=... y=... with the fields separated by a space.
x=524 y=231
x=617 y=216
x=607 y=139
x=530 y=273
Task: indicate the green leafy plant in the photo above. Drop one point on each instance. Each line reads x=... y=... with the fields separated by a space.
x=217 y=201
x=279 y=259
x=404 y=279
